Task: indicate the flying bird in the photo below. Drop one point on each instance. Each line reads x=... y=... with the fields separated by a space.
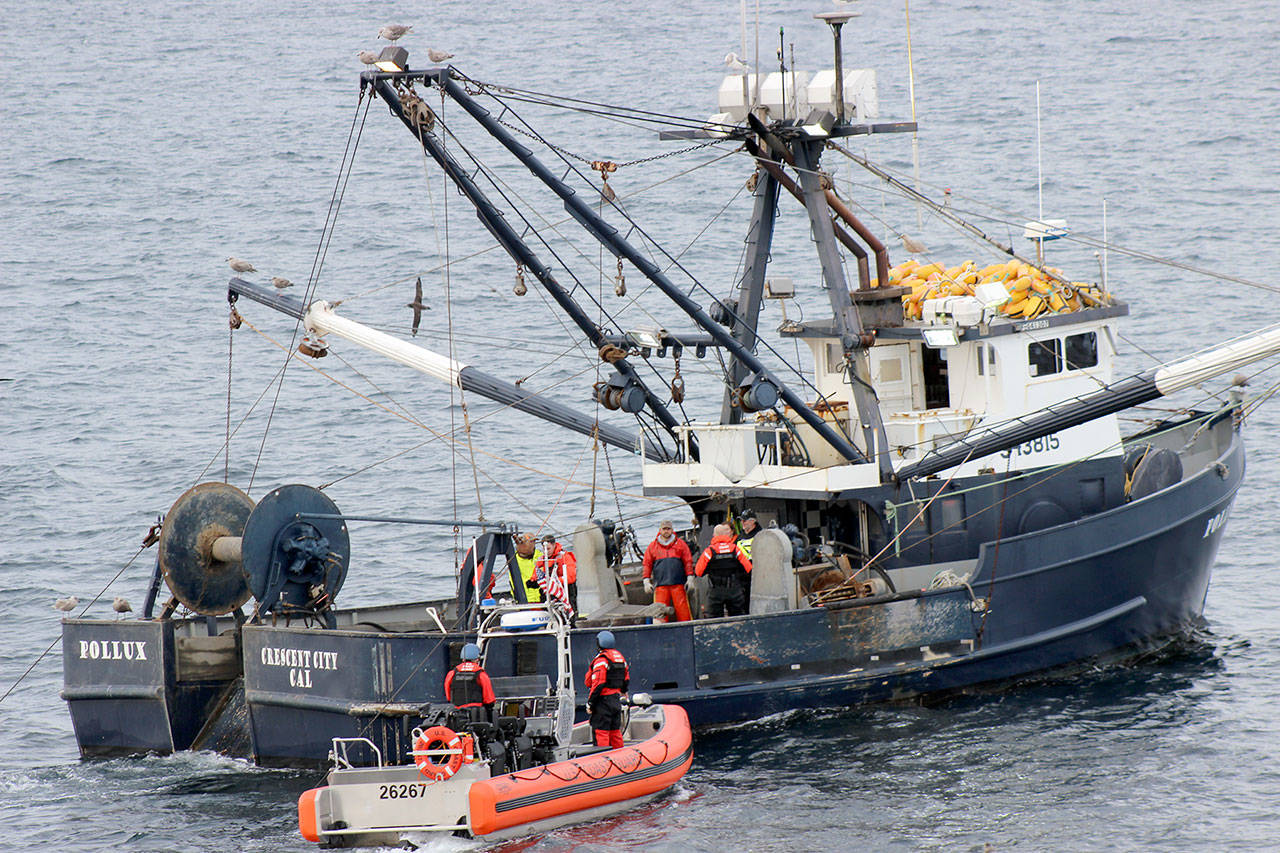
x=391 y=32
x=239 y=265
x=417 y=305
x=368 y=57
x=281 y=283
x=120 y=605
x=438 y=55
x=66 y=605
x=912 y=245
x=734 y=64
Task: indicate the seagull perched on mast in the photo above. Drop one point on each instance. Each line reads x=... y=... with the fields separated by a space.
x=240 y=266
x=391 y=32
x=438 y=55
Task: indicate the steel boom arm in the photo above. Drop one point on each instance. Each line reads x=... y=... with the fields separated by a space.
x=320 y=317
x=608 y=236
x=497 y=225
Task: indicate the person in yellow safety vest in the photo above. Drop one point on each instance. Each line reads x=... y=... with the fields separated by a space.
x=524 y=586
x=750 y=527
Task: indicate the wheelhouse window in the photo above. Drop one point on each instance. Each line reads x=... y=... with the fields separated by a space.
x=1044 y=358
x=986 y=360
x=1082 y=351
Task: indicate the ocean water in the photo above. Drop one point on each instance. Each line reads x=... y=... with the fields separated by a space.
x=143 y=143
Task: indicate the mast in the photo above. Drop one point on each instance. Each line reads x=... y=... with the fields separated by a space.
x=751 y=288
x=511 y=242
x=853 y=337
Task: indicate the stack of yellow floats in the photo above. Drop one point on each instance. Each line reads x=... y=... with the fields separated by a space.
x=1032 y=291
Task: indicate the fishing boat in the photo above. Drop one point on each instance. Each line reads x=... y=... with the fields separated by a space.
x=527 y=771
x=946 y=495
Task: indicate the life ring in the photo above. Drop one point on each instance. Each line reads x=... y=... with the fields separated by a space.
x=432 y=746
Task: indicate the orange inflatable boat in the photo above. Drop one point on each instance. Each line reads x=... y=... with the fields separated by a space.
x=528 y=771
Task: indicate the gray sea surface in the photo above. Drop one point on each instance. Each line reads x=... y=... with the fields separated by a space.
x=142 y=143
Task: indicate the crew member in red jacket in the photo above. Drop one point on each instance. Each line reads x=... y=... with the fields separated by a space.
x=468 y=686
x=729 y=568
x=668 y=566
x=555 y=560
x=607 y=680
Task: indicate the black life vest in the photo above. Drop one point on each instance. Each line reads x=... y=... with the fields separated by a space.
x=616 y=676
x=725 y=566
x=465 y=688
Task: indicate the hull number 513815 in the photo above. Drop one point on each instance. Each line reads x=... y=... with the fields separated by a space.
x=1036 y=445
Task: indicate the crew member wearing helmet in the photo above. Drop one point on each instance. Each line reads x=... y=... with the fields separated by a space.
x=608 y=678
x=468 y=686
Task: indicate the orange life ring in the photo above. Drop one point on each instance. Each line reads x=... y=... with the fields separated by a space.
x=435 y=740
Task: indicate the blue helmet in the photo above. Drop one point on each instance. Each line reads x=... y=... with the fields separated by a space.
x=605 y=640
x=471 y=652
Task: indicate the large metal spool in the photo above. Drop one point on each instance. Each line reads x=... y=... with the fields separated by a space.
x=199 y=565
x=290 y=551
x=296 y=550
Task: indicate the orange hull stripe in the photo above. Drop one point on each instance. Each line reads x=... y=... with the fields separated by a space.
x=528 y=796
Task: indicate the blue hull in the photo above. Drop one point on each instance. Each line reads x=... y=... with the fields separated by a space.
x=1100 y=586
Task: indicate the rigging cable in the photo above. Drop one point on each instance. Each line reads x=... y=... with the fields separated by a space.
x=498 y=186
x=674 y=261
x=326 y=236
x=1010 y=220
x=435 y=435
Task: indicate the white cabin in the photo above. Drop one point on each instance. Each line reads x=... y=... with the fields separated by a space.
x=929 y=395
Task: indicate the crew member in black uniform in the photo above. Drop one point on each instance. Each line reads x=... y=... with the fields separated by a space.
x=468 y=686
x=608 y=678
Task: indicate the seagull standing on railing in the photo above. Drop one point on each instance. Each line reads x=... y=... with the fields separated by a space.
x=281 y=283
x=66 y=605
x=121 y=606
x=438 y=55
x=238 y=265
x=368 y=57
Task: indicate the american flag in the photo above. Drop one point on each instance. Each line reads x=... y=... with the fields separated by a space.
x=552 y=587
